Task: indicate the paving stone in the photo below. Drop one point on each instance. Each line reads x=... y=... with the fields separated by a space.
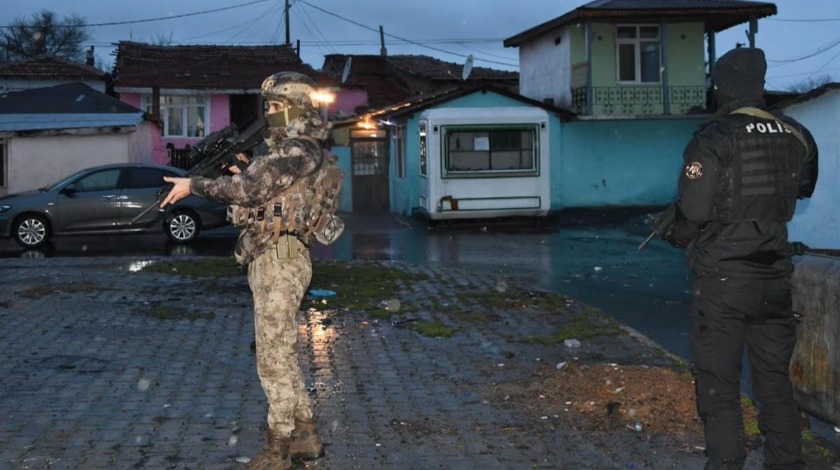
x=91 y=380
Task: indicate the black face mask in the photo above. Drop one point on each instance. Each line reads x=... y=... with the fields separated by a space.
x=283 y=118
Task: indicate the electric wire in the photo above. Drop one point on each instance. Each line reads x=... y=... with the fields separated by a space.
x=147 y=20
x=404 y=39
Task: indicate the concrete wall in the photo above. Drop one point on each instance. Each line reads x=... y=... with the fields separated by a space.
x=35 y=162
x=545 y=69
x=817 y=219
x=620 y=163
x=815 y=367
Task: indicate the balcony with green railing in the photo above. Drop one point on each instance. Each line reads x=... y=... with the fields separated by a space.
x=639 y=100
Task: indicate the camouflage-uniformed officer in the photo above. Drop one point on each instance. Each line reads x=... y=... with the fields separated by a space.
x=284 y=199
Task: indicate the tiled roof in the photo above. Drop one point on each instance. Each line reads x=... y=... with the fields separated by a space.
x=436 y=69
x=372 y=74
x=205 y=66
x=50 y=67
x=385 y=78
x=717 y=15
x=69 y=98
x=419 y=103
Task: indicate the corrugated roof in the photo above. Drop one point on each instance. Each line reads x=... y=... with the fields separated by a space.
x=815 y=93
x=43 y=122
x=718 y=15
x=50 y=67
x=205 y=67
x=70 y=98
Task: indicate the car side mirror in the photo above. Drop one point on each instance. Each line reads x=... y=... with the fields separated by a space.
x=69 y=189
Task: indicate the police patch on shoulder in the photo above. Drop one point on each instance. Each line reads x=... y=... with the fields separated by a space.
x=694 y=170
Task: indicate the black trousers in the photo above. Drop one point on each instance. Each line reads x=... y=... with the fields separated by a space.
x=727 y=315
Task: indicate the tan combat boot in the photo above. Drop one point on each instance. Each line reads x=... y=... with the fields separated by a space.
x=305 y=441
x=274 y=455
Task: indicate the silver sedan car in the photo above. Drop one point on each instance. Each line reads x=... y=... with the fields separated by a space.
x=106 y=200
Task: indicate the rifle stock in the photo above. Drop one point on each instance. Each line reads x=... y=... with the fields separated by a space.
x=214 y=153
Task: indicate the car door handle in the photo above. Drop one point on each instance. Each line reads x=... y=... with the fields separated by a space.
x=110 y=197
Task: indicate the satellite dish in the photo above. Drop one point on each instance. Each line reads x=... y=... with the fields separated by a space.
x=467 y=67
x=346 y=72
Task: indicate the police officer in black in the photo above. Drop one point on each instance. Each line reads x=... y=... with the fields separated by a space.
x=744 y=170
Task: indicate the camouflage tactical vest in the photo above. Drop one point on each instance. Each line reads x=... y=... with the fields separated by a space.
x=306 y=209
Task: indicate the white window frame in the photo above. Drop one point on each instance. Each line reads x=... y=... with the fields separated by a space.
x=637 y=51
x=490 y=129
x=423 y=148
x=204 y=119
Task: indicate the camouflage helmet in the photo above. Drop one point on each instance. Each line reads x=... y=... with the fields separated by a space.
x=291 y=87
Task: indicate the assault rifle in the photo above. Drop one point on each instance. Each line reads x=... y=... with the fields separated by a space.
x=661 y=224
x=215 y=153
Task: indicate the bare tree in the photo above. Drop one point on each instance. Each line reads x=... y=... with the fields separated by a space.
x=45 y=33
x=810 y=83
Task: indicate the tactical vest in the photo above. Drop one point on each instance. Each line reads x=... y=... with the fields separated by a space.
x=306 y=209
x=761 y=181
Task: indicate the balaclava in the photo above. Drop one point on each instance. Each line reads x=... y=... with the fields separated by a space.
x=738 y=76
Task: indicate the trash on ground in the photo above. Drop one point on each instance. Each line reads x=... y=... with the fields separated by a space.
x=571 y=343
x=321 y=293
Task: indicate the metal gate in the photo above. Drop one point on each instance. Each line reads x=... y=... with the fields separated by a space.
x=370 y=174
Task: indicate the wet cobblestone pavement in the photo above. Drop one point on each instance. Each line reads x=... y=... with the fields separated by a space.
x=106 y=366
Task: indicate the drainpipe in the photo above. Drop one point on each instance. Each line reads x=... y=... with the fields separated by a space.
x=589 y=93
x=156 y=102
x=753 y=30
x=710 y=36
x=666 y=96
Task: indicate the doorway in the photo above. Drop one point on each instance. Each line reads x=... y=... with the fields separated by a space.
x=369 y=151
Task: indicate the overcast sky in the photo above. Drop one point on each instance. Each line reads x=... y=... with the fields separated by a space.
x=446 y=29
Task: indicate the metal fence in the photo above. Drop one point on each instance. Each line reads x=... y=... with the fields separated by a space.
x=641 y=99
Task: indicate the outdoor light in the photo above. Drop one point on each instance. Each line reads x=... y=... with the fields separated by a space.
x=322 y=96
x=366 y=123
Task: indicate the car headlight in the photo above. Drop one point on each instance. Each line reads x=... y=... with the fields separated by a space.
x=4 y=208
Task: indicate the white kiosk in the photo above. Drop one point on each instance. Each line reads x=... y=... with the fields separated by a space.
x=484 y=163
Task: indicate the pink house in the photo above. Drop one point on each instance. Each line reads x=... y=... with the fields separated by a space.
x=196 y=90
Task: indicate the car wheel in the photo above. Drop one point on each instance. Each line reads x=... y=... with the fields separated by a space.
x=182 y=227
x=31 y=230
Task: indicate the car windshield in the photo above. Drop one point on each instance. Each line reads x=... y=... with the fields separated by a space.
x=64 y=180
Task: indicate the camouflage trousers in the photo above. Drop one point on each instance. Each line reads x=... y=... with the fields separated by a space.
x=278 y=285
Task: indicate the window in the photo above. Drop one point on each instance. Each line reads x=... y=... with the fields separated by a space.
x=422 y=128
x=638 y=54
x=182 y=116
x=146 y=178
x=490 y=150
x=102 y=180
x=3 y=162
x=399 y=143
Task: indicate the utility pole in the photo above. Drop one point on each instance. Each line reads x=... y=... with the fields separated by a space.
x=288 y=34
x=382 y=50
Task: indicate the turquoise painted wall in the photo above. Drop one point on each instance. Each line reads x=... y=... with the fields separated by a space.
x=621 y=163
x=404 y=192
x=345 y=198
